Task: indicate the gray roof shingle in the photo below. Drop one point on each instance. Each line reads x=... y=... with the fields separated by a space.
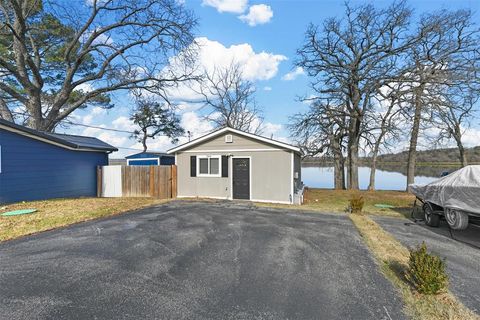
x=71 y=141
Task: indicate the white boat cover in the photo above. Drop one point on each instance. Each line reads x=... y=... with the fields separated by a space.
x=458 y=190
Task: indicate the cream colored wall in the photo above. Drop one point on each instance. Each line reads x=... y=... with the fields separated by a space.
x=297 y=167
x=271 y=170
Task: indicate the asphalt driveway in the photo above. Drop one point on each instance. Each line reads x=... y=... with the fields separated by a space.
x=192 y=260
x=461 y=252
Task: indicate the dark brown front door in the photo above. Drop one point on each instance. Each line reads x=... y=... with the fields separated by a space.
x=241 y=178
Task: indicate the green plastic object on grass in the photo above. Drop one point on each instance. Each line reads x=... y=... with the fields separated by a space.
x=19 y=212
x=384 y=205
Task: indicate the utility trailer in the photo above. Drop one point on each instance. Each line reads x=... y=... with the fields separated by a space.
x=456 y=197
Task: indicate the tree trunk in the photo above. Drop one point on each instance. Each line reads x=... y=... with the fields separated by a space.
x=339 y=172
x=353 y=166
x=5 y=113
x=353 y=142
x=412 y=151
x=373 y=169
x=144 y=141
x=376 y=148
x=338 y=162
x=463 y=156
x=34 y=107
x=461 y=152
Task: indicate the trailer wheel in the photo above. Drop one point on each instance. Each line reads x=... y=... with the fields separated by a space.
x=457 y=220
x=431 y=218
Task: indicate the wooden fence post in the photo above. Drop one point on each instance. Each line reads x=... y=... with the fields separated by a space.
x=152 y=181
x=99 y=181
x=174 y=180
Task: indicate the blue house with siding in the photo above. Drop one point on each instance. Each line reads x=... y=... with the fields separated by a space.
x=150 y=159
x=38 y=165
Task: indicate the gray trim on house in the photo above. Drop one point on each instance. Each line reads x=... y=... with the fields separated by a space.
x=222 y=131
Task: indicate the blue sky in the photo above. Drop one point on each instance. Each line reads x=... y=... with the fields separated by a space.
x=265 y=35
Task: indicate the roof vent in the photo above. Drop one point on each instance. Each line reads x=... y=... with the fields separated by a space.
x=228 y=138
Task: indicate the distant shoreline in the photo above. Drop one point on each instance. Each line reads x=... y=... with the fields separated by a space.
x=327 y=163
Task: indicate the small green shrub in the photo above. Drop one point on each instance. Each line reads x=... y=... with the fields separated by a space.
x=426 y=271
x=356 y=203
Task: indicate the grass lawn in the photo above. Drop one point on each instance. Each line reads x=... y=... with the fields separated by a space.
x=337 y=201
x=61 y=212
x=328 y=200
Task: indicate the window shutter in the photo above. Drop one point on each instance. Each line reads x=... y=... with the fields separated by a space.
x=193 y=166
x=224 y=166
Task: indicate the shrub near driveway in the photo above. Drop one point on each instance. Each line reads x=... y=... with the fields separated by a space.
x=426 y=271
x=62 y=212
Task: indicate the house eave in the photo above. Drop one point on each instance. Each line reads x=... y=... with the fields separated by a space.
x=227 y=129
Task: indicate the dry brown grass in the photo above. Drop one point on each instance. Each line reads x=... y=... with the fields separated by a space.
x=337 y=201
x=393 y=259
x=61 y=212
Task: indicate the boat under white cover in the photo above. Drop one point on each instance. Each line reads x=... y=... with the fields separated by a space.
x=458 y=190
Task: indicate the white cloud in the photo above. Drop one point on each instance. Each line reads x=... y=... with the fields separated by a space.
x=233 y=6
x=267 y=88
x=256 y=66
x=470 y=137
x=293 y=74
x=113 y=138
x=213 y=54
x=87 y=119
x=185 y=107
x=98 y=111
x=85 y=87
x=197 y=126
x=257 y=14
x=271 y=129
x=123 y=123
x=103 y=39
x=160 y=144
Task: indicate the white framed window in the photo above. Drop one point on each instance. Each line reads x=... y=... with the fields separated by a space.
x=209 y=166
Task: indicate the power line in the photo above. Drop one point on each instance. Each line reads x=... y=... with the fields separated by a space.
x=85 y=125
x=97 y=127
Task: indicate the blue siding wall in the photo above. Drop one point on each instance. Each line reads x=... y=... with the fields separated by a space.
x=164 y=160
x=140 y=162
x=35 y=170
x=167 y=160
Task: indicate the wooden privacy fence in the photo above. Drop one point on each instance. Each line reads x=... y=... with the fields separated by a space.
x=137 y=181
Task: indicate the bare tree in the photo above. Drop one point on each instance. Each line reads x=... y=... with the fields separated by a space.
x=57 y=56
x=230 y=100
x=455 y=111
x=445 y=41
x=321 y=131
x=383 y=123
x=351 y=58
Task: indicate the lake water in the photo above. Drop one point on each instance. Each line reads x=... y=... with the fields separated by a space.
x=322 y=177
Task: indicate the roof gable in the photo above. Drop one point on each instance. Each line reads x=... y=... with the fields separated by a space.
x=72 y=142
x=219 y=132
